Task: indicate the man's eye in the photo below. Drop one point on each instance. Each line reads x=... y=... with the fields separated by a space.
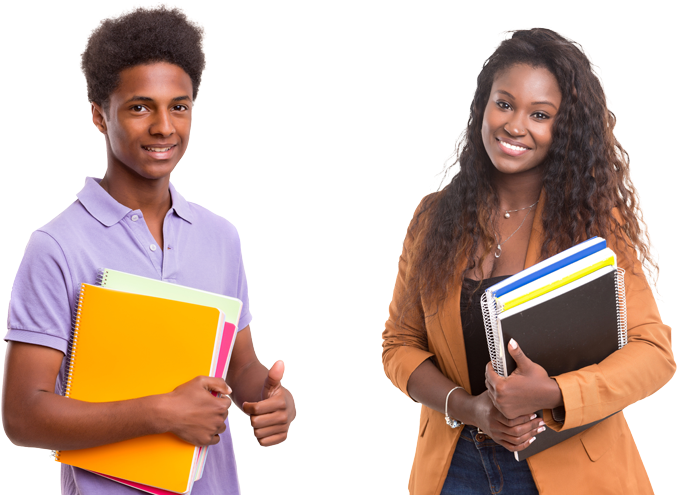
x=180 y=108
x=138 y=108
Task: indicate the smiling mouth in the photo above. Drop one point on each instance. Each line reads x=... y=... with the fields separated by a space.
x=512 y=146
x=157 y=149
x=511 y=149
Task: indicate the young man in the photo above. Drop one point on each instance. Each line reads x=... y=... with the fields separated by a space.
x=143 y=71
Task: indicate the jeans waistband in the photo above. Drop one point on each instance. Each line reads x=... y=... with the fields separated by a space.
x=477 y=436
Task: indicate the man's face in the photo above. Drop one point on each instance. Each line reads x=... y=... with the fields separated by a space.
x=147 y=125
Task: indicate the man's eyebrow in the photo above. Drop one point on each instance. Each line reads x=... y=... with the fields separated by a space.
x=146 y=98
x=544 y=102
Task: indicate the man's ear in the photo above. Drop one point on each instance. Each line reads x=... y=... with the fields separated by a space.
x=99 y=118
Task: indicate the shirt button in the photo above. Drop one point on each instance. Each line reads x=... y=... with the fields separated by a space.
x=153 y=247
x=135 y=218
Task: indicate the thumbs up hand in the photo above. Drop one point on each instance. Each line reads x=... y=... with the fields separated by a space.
x=272 y=415
x=528 y=389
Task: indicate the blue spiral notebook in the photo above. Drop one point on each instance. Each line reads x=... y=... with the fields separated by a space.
x=565 y=258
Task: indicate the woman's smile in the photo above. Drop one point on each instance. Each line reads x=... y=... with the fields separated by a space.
x=512 y=148
x=518 y=118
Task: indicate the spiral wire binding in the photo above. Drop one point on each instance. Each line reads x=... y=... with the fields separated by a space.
x=102 y=277
x=491 y=308
x=72 y=348
x=490 y=315
x=621 y=308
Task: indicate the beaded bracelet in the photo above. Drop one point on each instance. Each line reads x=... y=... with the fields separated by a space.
x=454 y=423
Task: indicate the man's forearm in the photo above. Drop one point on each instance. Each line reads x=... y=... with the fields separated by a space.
x=50 y=421
x=247 y=383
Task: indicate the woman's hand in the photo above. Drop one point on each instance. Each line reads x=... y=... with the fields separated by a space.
x=527 y=389
x=513 y=434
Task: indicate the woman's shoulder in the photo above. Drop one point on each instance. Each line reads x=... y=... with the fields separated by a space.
x=421 y=214
x=427 y=205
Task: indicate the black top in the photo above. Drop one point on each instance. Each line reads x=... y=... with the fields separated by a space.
x=476 y=348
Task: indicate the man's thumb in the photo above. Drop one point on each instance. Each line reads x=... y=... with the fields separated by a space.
x=275 y=374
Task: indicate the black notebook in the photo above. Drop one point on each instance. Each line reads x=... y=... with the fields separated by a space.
x=575 y=326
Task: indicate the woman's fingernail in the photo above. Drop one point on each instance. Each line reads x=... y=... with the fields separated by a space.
x=541 y=429
x=541 y=423
x=533 y=416
x=532 y=439
x=512 y=344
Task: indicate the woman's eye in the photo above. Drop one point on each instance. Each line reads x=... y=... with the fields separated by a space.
x=503 y=105
x=541 y=116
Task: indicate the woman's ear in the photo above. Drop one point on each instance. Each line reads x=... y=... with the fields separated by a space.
x=99 y=118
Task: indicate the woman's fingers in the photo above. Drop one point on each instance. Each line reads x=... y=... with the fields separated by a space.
x=515 y=434
x=520 y=437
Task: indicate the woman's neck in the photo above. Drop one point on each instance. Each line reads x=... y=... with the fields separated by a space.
x=519 y=190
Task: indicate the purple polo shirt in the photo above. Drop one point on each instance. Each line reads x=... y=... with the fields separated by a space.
x=201 y=250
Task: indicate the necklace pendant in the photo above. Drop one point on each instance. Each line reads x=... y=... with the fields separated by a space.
x=507 y=215
x=498 y=251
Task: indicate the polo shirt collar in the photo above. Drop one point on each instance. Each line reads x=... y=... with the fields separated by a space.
x=181 y=206
x=106 y=210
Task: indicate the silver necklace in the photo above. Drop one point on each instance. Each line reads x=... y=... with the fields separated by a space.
x=508 y=212
x=507 y=215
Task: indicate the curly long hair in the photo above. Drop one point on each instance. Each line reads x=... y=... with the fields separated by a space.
x=586 y=174
x=140 y=37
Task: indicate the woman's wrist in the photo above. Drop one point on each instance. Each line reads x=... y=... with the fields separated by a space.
x=451 y=421
x=552 y=395
x=460 y=407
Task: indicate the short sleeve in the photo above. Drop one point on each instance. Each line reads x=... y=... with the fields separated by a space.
x=40 y=307
x=243 y=295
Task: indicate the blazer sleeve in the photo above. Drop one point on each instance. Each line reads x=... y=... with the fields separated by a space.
x=405 y=342
x=636 y=371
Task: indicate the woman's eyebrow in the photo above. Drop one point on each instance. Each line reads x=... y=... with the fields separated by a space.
x=544 y=102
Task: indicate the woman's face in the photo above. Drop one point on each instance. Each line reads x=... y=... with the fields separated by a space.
x=518 y=119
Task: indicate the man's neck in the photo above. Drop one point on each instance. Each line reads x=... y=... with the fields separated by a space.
x=151 y=196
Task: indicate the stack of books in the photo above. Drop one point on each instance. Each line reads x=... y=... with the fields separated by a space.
x=133 y=337
x=566 y=313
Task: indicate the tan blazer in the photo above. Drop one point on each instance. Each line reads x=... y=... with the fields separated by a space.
x=602 y=459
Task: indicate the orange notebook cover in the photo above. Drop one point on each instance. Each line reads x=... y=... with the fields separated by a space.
x=126 y=346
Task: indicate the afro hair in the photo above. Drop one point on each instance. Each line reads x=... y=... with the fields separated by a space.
x=140 y=37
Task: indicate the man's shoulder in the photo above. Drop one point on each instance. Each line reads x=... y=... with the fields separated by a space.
x=68 y=223
x=208 y=219
x=57 y=239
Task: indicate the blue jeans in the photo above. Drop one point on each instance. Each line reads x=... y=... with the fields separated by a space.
x=480 y=466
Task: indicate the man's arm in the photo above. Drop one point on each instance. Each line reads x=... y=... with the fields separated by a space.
x=259 y=393
x=34 y=416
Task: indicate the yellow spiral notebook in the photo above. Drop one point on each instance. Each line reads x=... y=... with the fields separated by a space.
x=126 y=346
x=555 y=280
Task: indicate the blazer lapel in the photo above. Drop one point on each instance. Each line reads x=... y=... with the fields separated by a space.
x=536 y=236
x=453 y=363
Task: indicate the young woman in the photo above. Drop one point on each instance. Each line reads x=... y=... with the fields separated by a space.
x=540 y=171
